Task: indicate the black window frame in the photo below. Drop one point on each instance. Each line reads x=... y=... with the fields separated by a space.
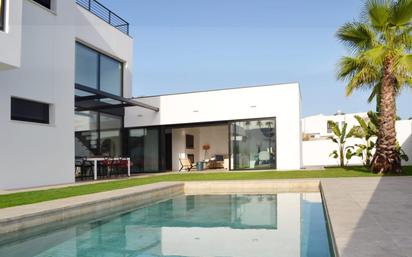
x=44 y=3
x=3 y=15
x=26 y=104
x=99 y=54
x=190 y=141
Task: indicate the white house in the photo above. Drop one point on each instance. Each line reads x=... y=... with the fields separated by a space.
x=317 y=126
x=66 y=83
x=250 y=127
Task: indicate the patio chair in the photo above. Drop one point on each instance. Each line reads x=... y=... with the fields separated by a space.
x=120 y=166
x=84 y=168
x=185 y=163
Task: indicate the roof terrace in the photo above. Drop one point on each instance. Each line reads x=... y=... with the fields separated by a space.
x=105 y=14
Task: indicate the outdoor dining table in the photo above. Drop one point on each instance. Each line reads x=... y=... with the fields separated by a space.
x=99 y=159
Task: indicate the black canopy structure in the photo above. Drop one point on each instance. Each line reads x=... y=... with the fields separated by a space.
x=90 y=99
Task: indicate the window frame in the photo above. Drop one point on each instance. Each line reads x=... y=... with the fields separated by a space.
x=45 y=112
x=3 y=15
x=191 y=139
x=99 y=55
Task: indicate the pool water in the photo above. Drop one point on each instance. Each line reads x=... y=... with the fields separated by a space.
x=284 y=225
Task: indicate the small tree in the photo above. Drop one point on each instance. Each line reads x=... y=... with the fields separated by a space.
x=367 y=130
x=340 y=139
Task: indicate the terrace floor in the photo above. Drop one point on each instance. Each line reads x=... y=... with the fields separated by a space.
x=370 y=216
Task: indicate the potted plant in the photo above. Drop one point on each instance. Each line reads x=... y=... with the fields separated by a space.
x=206 y=147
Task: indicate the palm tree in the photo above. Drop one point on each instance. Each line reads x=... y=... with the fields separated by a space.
x=381 y=57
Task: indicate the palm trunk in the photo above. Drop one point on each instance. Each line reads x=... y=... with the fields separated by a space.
x=341 y=156
x=386 y=158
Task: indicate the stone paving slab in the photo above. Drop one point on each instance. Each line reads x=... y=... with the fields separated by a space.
x=370 y=217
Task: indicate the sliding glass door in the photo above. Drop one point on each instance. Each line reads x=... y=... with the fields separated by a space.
x=253 y=144
x=143 y=148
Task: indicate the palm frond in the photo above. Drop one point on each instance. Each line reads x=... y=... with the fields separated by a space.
x=405 y=63
x=357 y=36
x=379 y=13
x=375 y=92
x=376 y=55
x=403 y=38
x=348 y=66
x=367 y=76
x=335 y=128
x=401 y=12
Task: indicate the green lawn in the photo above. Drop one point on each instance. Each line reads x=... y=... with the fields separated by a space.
x=22 y=198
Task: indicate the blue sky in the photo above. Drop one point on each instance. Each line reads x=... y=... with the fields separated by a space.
x=191 y=45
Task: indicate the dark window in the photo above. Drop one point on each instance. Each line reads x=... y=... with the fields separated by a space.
x=45 y=3
x=2 y=14
x=98 y=71
x=26 y=110
x=190 y=141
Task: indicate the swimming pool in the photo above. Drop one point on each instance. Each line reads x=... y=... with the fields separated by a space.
x=284 y=225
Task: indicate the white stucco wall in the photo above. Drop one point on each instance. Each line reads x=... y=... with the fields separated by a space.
x=34 y=154
x=280 y=101
x=317 y=152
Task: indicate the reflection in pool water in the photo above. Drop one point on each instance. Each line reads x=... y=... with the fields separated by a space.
x=281 y=225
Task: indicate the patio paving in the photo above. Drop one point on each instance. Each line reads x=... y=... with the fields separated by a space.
x=370 y=216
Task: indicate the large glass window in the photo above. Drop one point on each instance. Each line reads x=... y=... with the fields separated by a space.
x=98 y=71
x=143 y=147
x=2 y=14
x=97 y=134
x=87 y=62
x=253 y=144
x=110 y=75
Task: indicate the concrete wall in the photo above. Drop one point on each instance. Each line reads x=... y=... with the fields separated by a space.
x=10 y=37
x=317 y=152
x=35 y=154
x=280 y=101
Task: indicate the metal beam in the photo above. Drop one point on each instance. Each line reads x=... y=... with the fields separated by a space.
x=100 y=107
x=87 y=98
x=116 y=97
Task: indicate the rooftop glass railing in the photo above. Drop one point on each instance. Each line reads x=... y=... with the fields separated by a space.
x=105 y=14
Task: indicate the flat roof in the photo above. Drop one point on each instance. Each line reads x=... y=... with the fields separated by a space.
x=219 y=89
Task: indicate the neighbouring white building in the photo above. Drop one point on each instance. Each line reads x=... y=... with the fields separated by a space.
x=316 y=126
x=317 y=147
x=66 y=82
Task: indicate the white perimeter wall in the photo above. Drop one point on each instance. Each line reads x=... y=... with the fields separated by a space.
x=33 y=154
x=280 y=101
x=317 y=152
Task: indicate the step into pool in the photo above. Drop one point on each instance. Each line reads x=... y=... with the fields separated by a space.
x=276 y=225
